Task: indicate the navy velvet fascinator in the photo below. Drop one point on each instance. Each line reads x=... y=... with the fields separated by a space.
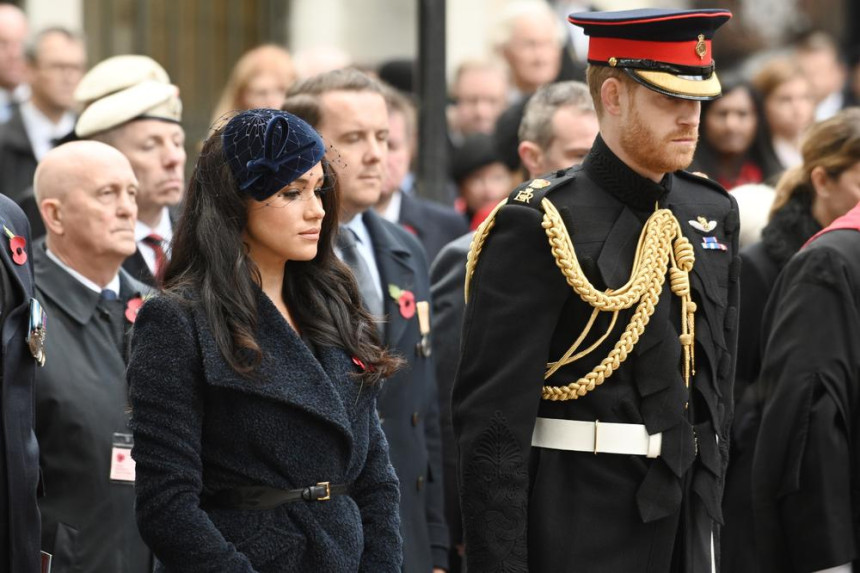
x=268 y=149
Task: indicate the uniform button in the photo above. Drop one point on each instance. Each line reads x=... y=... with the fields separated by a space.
x=414 y=418
x=420 y=483
x=735 y=269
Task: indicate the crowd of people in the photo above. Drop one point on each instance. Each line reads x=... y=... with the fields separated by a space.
x=292 y=361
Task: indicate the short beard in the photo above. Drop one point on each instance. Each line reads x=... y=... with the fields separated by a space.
x=650 y=153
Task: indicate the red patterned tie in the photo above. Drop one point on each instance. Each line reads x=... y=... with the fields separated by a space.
x=156 y=242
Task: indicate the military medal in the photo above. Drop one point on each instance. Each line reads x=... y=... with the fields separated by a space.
x=17 y=245
x=37 y=331
x=702 y=225
x=712 y=244
x=423 y=347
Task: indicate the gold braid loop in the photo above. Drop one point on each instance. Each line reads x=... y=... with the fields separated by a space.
x=661 y=242
x=478 y=243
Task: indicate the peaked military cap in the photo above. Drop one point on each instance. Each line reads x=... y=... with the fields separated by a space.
x=668 y=51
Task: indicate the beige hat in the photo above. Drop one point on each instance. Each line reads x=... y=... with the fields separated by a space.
x=147 y=100
x=118 y=73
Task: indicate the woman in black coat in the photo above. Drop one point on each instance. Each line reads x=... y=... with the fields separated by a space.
x=253 y=378
x=808 y=198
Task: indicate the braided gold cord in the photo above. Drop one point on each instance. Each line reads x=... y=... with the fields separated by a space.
x=654 y=253
x=478 y=243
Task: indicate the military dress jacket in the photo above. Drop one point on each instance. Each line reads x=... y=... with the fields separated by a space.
x=201 y=428
x=19 y=451
x=543 y=510
x=408 y=402
x=82 y=411
x=805 y=475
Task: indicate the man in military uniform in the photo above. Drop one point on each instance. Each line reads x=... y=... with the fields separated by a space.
x=593 y=398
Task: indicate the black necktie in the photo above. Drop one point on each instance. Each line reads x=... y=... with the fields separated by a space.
x=346 y=242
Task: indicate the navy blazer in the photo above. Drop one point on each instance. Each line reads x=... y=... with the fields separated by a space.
x=408 y=403
x=19 y=452
x=199 y=428
x=434 y=224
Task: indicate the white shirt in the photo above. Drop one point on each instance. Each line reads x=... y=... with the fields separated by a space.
x=788 y=154
x=8 y=98
x=164 y=229
x=365 y=248
x=392 y=211
x=112 y=285
x=829 y=106
x=41 y=131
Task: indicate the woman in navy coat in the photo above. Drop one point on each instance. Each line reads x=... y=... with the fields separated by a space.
x=253 y=377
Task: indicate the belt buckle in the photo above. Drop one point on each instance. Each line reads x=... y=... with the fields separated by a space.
x=327 y=487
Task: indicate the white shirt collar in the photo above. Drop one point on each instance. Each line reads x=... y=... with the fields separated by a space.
x=164 y=228
x=41 y=131
x=392 y=211
x=112 y=285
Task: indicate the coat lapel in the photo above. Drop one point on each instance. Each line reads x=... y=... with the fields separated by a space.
x=393 y=261
x=289 y=372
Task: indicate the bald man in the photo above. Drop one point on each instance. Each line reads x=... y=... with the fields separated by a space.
x=86 y=195
x=13 y=34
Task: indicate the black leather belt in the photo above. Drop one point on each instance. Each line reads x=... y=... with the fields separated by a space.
x=262 y=497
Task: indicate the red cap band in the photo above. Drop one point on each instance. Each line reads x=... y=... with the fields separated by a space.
x=678 y=53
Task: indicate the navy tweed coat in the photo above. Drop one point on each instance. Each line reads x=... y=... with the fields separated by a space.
x=199 y=428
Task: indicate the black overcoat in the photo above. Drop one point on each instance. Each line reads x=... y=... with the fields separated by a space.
x=199 y=428
x=17 y=160
x=408 y=403
x=19 y=452
x=81 y=402
x=546 y=510
x=805 y=471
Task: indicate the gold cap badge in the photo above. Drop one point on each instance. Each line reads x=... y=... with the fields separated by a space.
x=701 y=47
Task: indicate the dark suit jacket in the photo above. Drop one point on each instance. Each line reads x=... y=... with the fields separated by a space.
x=81 y=401
x=520 y=504
x=447 y=278
x=199 y=428
x=434 y=224
x=19 y=452
x=17 y=162
x=408 y=404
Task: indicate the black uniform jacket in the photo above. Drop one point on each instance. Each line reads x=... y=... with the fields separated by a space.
x=19 y=453
x=81 y=401
x=805 y=471
x=200 y=427
x=408 y=403
x=547 y=510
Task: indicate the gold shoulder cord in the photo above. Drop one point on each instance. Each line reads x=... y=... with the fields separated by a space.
x=661 y=243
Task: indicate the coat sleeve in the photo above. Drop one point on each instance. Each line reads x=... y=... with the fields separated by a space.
x=802 y=479
x=516 y=297
x=377 y=494
x=165 y=386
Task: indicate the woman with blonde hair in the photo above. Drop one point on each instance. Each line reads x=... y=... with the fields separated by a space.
x=808 y=198
x=260 y=79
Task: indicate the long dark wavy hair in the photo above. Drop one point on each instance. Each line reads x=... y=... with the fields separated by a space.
x=210 y=266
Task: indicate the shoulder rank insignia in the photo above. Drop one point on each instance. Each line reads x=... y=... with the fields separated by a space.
x=703 y=225
x=527 y=194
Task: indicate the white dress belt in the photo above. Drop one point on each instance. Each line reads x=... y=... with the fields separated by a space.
x=596 y=437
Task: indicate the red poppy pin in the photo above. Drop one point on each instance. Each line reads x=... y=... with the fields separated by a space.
x=360 y=363
x=17 y=246
x=132 y=307
x=405 y=300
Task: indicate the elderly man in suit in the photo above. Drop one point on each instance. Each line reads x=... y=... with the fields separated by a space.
x=132 y=106
x=86 y=193
x=348 y=109
x=557 y=130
